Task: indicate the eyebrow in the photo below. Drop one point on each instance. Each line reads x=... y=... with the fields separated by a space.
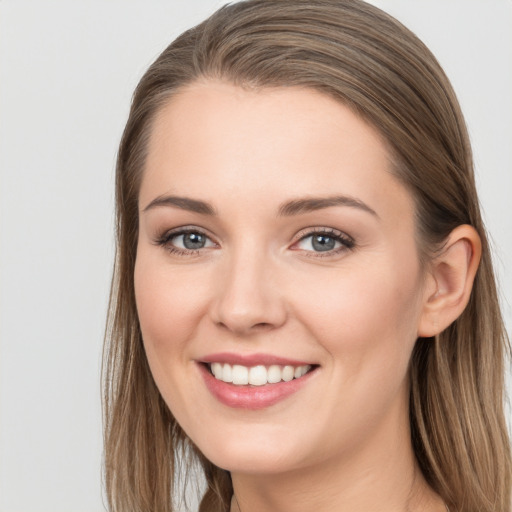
x=311 y=204
x=294 y=207
x=185 y=203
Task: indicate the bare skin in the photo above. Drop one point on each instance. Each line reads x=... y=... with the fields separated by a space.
x=228 y=263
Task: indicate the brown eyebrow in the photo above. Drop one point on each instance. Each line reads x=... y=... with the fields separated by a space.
x=293 y=207
x=305 y=205
x=185 y=203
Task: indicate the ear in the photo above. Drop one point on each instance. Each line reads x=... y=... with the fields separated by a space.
x=450 y=280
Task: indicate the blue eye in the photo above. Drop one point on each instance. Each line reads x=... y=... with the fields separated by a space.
x=190 y=241
x=185 y=241
x=325 y=241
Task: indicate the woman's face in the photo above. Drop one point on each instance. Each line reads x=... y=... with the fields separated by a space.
x=273 y=241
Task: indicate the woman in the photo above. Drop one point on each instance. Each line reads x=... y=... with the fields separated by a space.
x=303 y=297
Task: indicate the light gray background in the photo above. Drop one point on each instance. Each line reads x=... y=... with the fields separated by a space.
x=67 y=70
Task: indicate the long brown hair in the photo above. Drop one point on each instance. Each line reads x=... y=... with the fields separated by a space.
x=370 y=62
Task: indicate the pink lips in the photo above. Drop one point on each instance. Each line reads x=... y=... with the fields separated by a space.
x=251 y=397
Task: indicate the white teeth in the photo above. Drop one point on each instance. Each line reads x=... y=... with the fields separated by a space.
x=217 y=370
x=240 y=374
x=227 y=373
x=288 y=372
x=257 y=375
x=274 y=374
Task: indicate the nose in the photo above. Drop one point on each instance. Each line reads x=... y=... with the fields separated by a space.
x=248 y=298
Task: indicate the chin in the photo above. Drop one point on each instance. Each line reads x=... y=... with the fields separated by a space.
x=254 y=463
x=263 y=454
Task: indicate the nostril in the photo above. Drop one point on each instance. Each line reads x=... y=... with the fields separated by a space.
x=242 y=329
x=262 y=326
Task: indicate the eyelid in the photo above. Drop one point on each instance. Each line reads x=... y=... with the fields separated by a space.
x=346 y=240
x=181 y=230
x=165 y=238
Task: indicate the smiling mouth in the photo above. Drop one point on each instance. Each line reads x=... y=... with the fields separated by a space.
x=258 y=375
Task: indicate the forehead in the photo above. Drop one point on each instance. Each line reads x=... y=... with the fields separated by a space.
x=214 y=138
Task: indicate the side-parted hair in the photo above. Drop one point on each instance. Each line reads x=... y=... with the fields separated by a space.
x=368 y=61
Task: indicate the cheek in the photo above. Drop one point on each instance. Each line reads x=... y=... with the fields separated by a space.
x=169 y=303
x=366 y=321
x=366 y=315
x=168 y=306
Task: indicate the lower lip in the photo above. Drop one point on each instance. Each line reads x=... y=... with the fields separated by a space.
x=251 y=397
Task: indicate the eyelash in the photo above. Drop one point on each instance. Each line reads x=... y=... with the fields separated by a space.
x=347 y=242
x=165 y=241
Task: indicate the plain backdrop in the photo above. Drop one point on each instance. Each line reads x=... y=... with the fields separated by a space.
x=67 y=71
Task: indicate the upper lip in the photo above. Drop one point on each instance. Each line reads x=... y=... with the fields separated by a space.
x=252 y=359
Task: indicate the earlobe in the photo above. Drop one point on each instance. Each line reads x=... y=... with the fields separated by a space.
x=450 y=281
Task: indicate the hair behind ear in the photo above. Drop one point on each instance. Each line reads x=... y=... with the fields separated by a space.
x=458 y=425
